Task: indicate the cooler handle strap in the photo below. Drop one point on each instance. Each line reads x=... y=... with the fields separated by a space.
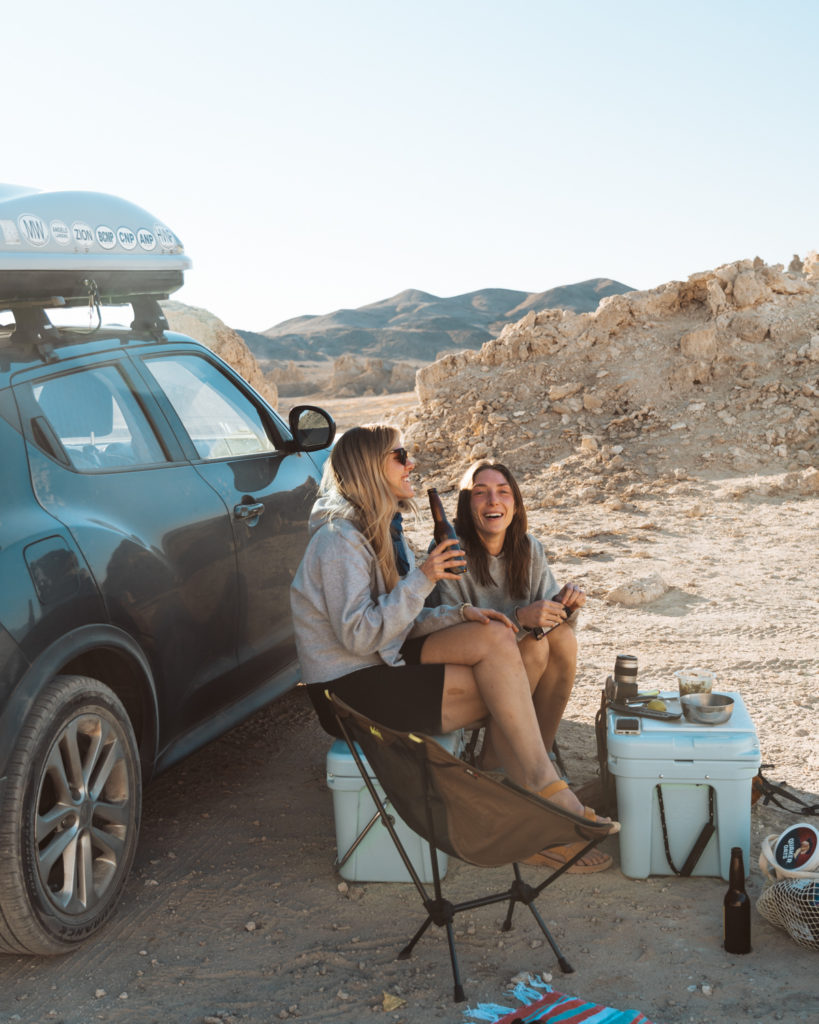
x=708 y=829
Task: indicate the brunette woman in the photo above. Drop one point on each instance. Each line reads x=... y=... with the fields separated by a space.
x=509 y=571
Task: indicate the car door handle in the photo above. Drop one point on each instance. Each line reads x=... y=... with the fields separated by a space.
x=248 y=511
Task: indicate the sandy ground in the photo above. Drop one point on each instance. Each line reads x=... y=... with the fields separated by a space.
x=235 y=913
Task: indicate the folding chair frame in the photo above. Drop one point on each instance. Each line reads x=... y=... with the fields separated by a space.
x=440 y=911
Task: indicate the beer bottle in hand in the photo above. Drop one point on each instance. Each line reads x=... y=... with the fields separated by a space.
x=443 y=529
x=737 y=908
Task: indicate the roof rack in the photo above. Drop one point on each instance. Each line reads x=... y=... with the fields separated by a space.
x=51 y=243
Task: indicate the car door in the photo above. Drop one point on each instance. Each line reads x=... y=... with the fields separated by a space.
x=240 y=447
x=156 y=537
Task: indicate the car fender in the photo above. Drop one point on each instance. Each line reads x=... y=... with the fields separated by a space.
x=78 y=651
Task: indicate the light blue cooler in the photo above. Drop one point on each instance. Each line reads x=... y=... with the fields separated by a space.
x=702 y=773
x=366 y=853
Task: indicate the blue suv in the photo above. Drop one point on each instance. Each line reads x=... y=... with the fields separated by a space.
x=153 y=511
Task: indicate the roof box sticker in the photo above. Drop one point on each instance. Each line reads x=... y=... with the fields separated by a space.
x=146 y=239
x=127 y=238
x=106 y=237
x=167 y=239
x=60 y=232
x=83 y=235
x=33 y=229
x=8 y=229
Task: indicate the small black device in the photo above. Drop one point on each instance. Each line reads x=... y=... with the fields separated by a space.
x=626 y=727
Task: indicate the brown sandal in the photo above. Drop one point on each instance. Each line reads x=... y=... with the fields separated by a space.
x=588 y=812
x=556 y=856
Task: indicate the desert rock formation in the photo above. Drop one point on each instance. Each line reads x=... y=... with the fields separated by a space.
x=715 y=376
x=221 y=339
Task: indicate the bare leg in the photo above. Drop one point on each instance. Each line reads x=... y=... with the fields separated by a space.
x=494 y=683
x=485 y=676
x=551 y=664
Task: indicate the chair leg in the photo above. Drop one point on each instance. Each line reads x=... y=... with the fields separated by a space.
x=406 y=952
x=458 y=989
x=562 y=962
x=522 y=892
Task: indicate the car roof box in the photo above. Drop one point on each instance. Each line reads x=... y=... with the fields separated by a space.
x=63 y=246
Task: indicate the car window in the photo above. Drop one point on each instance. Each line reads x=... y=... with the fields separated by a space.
x=220 y=419
x=96 y=417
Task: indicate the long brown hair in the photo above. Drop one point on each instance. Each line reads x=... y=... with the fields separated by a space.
x=354 y=476
x=516 y=547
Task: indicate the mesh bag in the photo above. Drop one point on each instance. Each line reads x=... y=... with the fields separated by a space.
x=790 y=899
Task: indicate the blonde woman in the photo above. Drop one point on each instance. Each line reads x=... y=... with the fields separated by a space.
x=362 y=629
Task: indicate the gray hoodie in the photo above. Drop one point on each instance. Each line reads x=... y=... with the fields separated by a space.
x=343 y=617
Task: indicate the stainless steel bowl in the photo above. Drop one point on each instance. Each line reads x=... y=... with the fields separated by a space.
x=707 y=708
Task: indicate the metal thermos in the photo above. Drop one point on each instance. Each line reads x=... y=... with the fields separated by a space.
x=625 y=676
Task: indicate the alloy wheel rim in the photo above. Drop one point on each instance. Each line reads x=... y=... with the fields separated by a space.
x=83 y=814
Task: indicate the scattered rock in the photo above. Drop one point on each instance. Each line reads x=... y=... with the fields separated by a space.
x=639 y=591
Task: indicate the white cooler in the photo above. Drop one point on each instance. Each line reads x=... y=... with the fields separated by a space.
x=375 y=859
x=684 y=759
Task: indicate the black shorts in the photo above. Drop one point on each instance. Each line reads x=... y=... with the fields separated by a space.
x=403 y=697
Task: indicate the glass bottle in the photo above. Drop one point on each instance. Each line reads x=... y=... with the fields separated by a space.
x=736 y=908
x=443 y=529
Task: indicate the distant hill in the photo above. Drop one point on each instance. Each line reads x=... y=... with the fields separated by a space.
x=417 y=325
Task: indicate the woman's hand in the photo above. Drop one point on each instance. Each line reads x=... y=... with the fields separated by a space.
x=442 y=560
x=545 y=614
x=571 y=595
x=473 y=614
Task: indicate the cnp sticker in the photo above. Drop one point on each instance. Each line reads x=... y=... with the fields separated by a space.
x=60 y=232
x=146 y=239
x=126 y=238
x=34 y=230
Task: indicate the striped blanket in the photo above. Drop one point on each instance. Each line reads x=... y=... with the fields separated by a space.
x=540 y=1003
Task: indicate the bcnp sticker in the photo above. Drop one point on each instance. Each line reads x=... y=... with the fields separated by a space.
x=106 y=236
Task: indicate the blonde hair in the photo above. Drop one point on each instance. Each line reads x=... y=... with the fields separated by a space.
x=354 y=477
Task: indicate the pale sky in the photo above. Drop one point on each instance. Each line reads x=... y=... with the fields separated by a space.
x=319 y=154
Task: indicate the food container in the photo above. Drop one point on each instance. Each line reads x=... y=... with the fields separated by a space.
x=694 y=680
x=707 y=708
x=797 y=849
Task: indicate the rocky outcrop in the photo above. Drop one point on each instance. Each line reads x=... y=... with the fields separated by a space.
x=208 y=329
x=716 y=373
x=356 y=375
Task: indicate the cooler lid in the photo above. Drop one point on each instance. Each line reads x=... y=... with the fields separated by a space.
x=341 y=764
x=681 y=740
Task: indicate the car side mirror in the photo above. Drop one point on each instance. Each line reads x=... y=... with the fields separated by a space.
x=312 y=428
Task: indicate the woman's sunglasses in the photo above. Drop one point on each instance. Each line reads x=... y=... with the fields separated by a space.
x=401 y=454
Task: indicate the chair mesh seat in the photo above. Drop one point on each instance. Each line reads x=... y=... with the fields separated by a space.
x=466 y=813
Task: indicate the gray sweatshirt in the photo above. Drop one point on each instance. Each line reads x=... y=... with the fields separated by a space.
x=542 y=586
x=343 y=617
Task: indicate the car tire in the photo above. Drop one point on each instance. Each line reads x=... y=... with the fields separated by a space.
x=69 y=819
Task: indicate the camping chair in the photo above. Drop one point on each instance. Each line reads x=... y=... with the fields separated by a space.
x=476 y=816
